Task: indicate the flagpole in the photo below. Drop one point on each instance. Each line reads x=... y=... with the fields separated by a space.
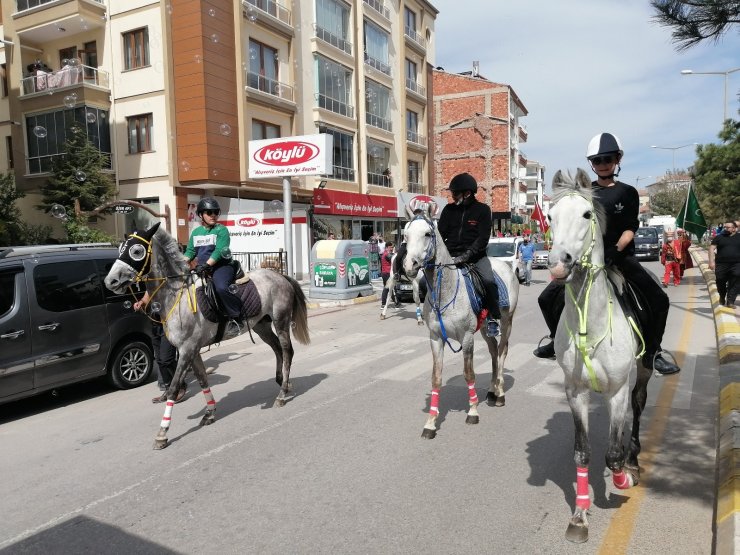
x=686 y=205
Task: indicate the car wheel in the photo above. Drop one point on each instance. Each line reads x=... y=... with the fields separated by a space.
x=132 y=365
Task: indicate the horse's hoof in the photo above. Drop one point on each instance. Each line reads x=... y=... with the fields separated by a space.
x=420 y=322
x=428 y=433
x=208 y=419
x=160 y=444
x=382 y=316
x=634 y=474
x=472 y=419
x=577 y=533
x=495 y=401
x=279 y=402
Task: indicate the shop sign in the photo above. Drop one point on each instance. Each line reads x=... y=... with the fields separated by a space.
x=408 y=202
x=343 y=203
x=288 y=156
x=325 y=274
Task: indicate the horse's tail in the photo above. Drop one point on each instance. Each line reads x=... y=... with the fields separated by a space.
x=300 y=313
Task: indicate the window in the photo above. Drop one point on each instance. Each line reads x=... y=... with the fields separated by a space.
x=136 y=49
x=412 y=126
x=344 y=167
x=377 y=105
x=9 y=148
x=4 y=79
x=263 y=130
x=43 y=146
x=335 y=87
x=409 y=22
x=139 y=133
x=411 y=72
x=376 y=48
x=7 y=289
x=413 y=174
x=332 y=23
x=67 y=286
x=66 y=54
x=263 y=68
x=90 y=59
x=378 y=162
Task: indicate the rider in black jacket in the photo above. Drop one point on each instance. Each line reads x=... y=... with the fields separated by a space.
x=465 y=227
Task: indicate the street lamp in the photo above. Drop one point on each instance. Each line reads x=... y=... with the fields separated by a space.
x=674 y=149
x=725 y=73
x=637 y=181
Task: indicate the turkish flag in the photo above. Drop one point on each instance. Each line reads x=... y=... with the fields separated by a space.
x=539 y=217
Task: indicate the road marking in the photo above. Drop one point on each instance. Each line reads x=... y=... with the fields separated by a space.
x=619 y=533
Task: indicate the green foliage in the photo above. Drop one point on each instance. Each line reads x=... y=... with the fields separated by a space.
x=79 y=232
x=717 y=175
x=667 y=199
x=693 y=21
x=11 y=229
x=78 y=175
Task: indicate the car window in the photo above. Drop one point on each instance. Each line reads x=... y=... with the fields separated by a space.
x=646 y=232
x=539 y=246
x=7 y=289
x=67 y=286
x=500 y=249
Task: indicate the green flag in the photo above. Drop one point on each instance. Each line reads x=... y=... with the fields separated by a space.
x=690 y=217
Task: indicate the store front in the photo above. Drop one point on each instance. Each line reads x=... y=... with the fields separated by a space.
x=345 y=215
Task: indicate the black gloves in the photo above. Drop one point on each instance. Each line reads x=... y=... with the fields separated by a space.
x=203 y=269
x=462 y=259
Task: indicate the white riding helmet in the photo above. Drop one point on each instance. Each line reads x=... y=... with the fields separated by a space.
x=604 y=143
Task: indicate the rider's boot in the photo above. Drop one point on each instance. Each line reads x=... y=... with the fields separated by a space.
x=545 y=351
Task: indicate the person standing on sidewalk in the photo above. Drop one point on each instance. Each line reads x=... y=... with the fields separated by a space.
x=724 y=259
x=385 y=270
x=670 y=257
x=525 y=254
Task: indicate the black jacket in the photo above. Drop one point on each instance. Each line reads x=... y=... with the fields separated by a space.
x=466 y=229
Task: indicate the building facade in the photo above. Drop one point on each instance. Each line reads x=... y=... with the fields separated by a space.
x=174 y=91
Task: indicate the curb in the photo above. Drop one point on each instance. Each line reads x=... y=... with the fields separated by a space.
x=727 y=515
x=344 y=302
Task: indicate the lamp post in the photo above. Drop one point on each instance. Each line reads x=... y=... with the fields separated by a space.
x=673 y=149
x=637 y=180
x=725 y=73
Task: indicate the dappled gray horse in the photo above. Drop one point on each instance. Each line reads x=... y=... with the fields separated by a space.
x=154 y=257
x=594 y=343
x=449 y=316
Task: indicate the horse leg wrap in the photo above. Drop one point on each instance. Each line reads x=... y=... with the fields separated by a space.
x=418 y=313
x=434 y=403
x=472 y=394
x=583 y=500
x=167 y=414
x=210 y=401
x=621 y=480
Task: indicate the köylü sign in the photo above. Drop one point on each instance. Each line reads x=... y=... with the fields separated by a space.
x=287 y=156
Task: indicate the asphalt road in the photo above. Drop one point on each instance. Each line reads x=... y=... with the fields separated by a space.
x=342 y=468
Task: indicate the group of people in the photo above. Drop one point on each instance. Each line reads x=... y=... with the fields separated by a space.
x=675 y=256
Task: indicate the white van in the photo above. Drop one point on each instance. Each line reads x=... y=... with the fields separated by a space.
x=504 y=248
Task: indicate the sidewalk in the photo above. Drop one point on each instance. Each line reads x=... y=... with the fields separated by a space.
x=328 y=303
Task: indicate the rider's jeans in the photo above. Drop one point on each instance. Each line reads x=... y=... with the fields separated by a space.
x=223 y=276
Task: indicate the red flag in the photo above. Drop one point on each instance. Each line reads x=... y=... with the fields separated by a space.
x=538 y=216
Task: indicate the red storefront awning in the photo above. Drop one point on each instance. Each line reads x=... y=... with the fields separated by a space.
x=342 y=203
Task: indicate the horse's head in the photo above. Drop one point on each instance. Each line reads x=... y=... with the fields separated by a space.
x=134 y=261
x=573 y=221
x=420 y=237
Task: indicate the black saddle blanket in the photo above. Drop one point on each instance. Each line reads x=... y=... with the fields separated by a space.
x=247 y=292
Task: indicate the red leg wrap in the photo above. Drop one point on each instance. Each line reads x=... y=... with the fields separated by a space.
x=621 y=480
x=434 y=403
x=472 y=394
x=583 y=500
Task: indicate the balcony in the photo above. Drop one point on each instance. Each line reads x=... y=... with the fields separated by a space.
x=414 y=138
x=415 y=188
x=413 y=86
x=379 y=7
x=334 y=105
x=332 y=39
x=269 y=86
x=66 y=78
x=377 y=64
x=415 y=40
x=43 y=21
x=379 y=122
x=270 y=13
x=379 y=179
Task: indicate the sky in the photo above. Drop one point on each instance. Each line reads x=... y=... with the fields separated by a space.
x=583 y=67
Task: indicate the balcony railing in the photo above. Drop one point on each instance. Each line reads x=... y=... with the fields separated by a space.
x=269 y=7
x=379 y=179
x=415 y=138
x=377 y=121
x=413 y=85
x=68 y=76
x=415 y=188
x=414 y=36
x=332 y=39
x=269 y=86
x=334 y=105
x=377 y=64
x=23 y=5
x=379 y=7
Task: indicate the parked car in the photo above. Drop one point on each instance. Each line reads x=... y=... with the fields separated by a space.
x=404 y=291
x=504 y=248
x=660 y=230
x=647 y=243
x=59 y=324
x=540 y=256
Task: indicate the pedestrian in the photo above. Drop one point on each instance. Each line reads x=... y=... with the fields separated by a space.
x=205 y=250
x=164 y=353
x=670 y=257
x=686 y=262
x=724 y=259
x=386 y=257
x=525 y=255
x=465 y=226
x=621 y=203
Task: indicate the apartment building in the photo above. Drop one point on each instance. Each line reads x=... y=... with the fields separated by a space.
x=477 y=129
x=174 y=90
x=533 y=176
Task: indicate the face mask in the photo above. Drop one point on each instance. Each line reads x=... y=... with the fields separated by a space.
x=725 y=232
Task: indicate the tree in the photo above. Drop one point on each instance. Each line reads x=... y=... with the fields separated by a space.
x=717 y=175
x=78 y=178
x=693 y=21
x=13 y=230
x=667 y=198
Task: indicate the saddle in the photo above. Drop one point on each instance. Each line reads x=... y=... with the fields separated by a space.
x=477 y=292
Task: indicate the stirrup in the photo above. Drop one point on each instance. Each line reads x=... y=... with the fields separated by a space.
x=232 y=329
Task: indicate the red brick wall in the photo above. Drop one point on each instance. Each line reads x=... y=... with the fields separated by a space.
x=459 y=109
x=462 y=141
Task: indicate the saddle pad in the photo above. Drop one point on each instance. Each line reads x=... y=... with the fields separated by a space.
x=247 y=292
x=503 y=291
x=205 y=307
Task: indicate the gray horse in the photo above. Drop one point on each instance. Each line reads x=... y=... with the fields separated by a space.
x=154 y=257
x=594 y=343
x=449 y=316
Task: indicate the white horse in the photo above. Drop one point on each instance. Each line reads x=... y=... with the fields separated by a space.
x=594 y=343
x=391 y=283
x=449 y=316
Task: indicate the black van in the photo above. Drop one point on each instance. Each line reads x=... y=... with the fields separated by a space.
x=60 y=325
x=647 y=243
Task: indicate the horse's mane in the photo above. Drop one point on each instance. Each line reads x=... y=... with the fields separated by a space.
x=565 y=184
x=168 y=257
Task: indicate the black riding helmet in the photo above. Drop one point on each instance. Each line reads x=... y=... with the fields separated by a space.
x=207 y=203
x=463 y=182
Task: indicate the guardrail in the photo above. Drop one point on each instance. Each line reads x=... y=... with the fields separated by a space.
x=68 y=76
x=277 y=261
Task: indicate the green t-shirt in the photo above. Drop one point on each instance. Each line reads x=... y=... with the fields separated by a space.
x=205 y=243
